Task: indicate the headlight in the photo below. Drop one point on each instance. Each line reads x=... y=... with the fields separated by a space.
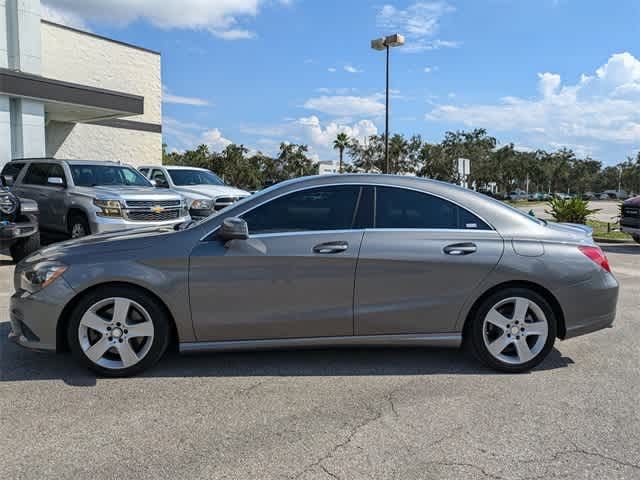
x=8 y=204
x=41 y=276
x=202 y=205
x=110 y=208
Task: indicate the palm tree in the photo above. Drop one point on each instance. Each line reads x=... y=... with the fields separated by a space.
x=340 y=143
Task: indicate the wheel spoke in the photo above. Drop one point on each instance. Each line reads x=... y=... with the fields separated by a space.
x=94 y=322
x=121 y=310
x=127 y=355
x=98 y=349
x=520 y=309
x=144 y=329
x=498 y=345
x=524 y=352
x=537 y=328
x=496 y=318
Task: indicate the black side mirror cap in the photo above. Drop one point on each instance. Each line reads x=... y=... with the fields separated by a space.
x=234 y=228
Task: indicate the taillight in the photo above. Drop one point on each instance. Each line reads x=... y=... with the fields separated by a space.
x=597 y=256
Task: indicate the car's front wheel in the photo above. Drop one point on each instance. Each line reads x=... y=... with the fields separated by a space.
x=118 y=331
x=513 y=330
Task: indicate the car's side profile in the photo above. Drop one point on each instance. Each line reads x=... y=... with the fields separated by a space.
x=342 y=260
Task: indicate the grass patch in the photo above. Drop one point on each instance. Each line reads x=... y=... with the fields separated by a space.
x=602 y=230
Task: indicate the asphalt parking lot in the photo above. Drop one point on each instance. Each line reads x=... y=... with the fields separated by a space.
x=331 y=414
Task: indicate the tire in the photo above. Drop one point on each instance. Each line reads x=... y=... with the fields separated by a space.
x=636 y=237
x=102 y=339
x=25 y=247
x=499 y=321
x=79 y=226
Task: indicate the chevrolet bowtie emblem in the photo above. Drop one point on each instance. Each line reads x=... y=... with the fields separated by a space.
x=157 y=209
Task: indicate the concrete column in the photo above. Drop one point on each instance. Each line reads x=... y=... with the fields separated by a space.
x=24 y=42
x=5 y=131
x=27 y=128
x=4 y=53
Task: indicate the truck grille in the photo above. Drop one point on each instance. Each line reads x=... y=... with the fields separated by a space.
x=152 y=203
x=223 y=202
x=146 y=216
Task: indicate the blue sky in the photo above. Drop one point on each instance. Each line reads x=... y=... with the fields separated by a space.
x=538 y=73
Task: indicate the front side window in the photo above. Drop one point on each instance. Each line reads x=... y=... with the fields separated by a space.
x=39 y=173
x=316 y=209
x=107 y=175
x=182 y=177
x=408 y=209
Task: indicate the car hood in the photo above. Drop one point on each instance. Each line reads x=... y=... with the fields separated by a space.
x=127 y=193
x=212 y=191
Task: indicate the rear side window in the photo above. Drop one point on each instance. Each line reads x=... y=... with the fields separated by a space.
x=12 y=169
x=38 y=173
x=408 y=209
x=325 y=208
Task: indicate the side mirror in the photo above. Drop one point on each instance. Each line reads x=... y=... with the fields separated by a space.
x=234 y=228
x=55 y=182
x=6 y=180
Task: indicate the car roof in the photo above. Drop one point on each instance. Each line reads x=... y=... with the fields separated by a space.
x=174 y=167
x=70 y=161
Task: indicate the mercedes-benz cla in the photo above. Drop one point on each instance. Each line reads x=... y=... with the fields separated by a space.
x=347 y=260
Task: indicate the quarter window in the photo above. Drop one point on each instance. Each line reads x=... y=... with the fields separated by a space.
x=408 y=209
x=324 y=208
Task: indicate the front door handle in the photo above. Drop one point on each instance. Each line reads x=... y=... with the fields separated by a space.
x=331 y=247
x=460 y=249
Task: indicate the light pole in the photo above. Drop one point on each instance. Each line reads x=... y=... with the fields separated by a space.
x=380 y=44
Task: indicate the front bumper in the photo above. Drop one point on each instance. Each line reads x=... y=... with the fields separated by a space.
x=106 y=225
x=13 y=231
x=34 y=317
x=589 y=306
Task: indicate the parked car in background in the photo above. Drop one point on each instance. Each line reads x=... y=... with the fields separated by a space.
x=517 y=195
x=80 y=197
x=319 y=262
x=630 y=218
x=204 y=191
x=19 y=231
x=539 y=197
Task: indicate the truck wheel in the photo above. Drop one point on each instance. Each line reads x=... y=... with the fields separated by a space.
x=79 y=226
x=25 y=247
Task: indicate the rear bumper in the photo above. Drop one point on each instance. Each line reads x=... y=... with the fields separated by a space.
x=589 y=306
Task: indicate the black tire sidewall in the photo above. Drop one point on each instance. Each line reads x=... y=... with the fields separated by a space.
x=476 y=334
x=158 y=317
x=24 y=247
x=79 y=219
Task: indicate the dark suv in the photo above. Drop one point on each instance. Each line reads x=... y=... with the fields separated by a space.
x=18 y=224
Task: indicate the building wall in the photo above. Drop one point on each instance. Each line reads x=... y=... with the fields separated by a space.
x=83 y=58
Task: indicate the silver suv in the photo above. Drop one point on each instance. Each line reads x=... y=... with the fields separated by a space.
x=80 y=197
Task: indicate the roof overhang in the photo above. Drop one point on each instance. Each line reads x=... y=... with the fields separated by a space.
x=70 y=102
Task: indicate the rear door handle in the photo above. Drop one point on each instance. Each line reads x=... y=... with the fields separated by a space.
x=460 y=249
x=331 y=247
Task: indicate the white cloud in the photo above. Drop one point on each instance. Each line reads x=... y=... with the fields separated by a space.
x=431 y=69
x=332 y=69
x=213 y=137
x=168 y=97
x=346 y=105
x=600 y=109
x=323 y=136
x=63 y=17
x=220 y=17
x=352 y=69
x=419 y=22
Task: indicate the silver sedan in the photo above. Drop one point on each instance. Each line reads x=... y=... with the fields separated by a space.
x=348 y=260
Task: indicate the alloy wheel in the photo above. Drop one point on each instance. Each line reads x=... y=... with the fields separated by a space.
x=77 y=231
x=116 y=333
x=515 y=330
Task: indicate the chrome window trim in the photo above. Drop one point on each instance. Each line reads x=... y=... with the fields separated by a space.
x=375 y=201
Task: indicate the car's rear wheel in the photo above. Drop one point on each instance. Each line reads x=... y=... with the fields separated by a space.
x=79 y=226
x=118 y=332
x=513 y=330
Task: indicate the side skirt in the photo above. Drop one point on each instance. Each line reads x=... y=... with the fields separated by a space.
x=445 y=340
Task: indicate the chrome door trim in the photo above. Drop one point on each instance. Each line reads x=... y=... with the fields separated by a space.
x=447 y=340
x=374 y=229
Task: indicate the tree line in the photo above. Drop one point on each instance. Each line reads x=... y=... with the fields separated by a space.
x=505 y=166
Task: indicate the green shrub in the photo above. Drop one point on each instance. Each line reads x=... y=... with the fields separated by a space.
x=570 y=210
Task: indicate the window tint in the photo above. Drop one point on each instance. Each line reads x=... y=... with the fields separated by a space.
x=400 y=208
x=12 y=169
x=39 y=173
x=324 y=208
x=144 y=171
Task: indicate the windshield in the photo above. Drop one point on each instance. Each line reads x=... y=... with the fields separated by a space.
x=106 y=175
x=194 y=177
